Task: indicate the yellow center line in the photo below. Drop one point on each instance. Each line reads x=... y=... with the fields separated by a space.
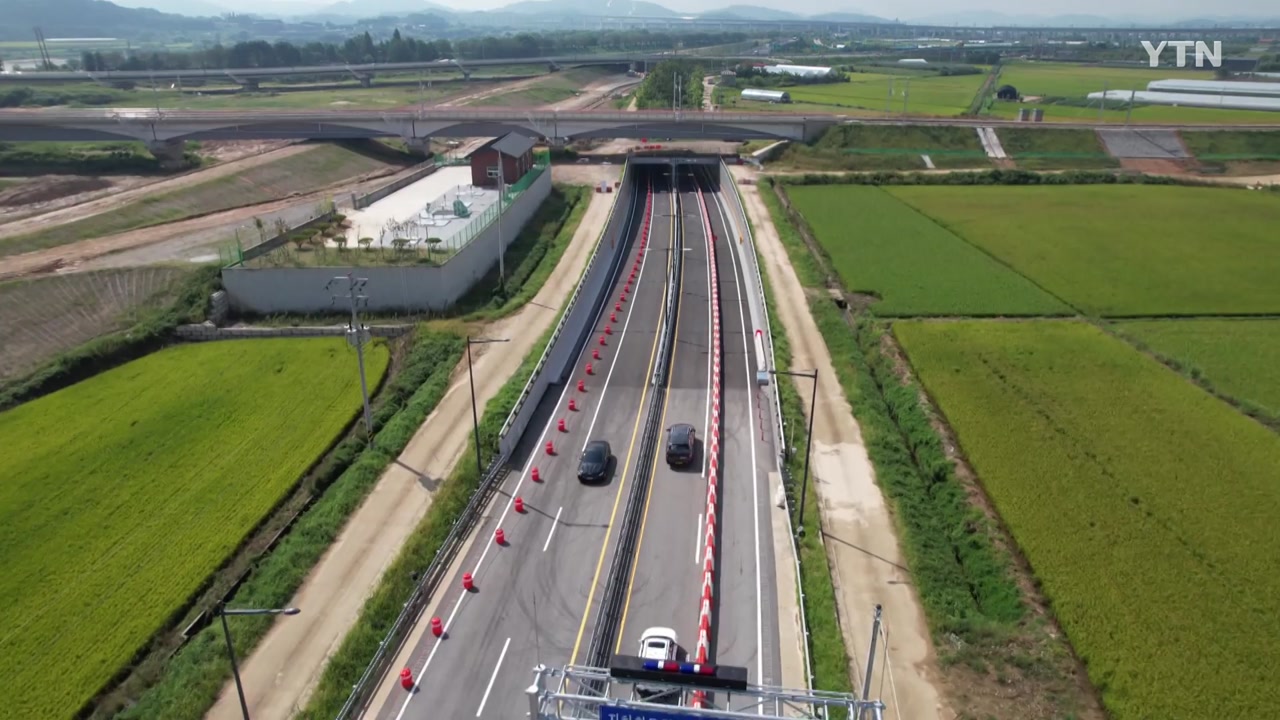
x=635 y=563
x=595 y=580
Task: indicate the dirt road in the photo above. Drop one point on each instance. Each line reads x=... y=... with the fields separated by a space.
x=103 y=204
x=281 y=674
x=866 y=561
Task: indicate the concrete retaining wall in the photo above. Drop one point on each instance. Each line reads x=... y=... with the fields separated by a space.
x=208 y=331
x=578 y=321
x=408 y=288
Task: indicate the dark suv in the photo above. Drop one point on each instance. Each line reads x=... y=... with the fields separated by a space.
x=682 y=439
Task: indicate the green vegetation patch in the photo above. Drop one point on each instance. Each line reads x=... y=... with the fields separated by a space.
x=307 y=171
x=553 y=88
x=1124 y=250
x=1238 y=358
x=888 y=147
x=1044 y=148
x=1075 y=80
x=133 y=486
x=1138 y=499
x=882 y=246
x=936 y=95
x=1232 y=145
x=84 y=158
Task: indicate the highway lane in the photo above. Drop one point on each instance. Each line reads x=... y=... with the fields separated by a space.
x=666 y=578
x=746 y=628
x=533 y=595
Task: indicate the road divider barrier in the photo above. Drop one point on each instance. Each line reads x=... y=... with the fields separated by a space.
x=706 y=614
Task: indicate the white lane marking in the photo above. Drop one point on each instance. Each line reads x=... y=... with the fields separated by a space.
x=516 y=491
x=697 y=541
x=644 y=262
x=755 y=476
x=493 y=677
x=554 y=522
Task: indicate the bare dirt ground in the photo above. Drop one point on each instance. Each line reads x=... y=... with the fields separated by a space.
x=862 y=548
x=595 y=93
x=173 y=241
x=77 y=207
x=586 y=174
x=281 y=674
x=42 y=195
x=1160 y=166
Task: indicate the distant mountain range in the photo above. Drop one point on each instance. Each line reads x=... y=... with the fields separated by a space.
x=93 y=17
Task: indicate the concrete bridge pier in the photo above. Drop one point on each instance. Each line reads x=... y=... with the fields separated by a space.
x=365 y=80
x=168 y=152
x=419 y=146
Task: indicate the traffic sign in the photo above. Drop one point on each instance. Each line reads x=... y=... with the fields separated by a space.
x=613 y=712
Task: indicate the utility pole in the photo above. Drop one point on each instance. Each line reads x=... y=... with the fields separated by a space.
x=1102 y=104
x=357 y=334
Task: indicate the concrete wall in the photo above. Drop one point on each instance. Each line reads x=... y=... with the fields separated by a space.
x=578 y=320
x=416 y=288
x=208 y=331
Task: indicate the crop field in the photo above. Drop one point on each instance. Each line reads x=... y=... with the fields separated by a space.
x=1077 y=81
x=882 y=246
x=47 y=316
x=874 y=147
x=309 y=171
x=1239 y=358
x=1121 y=250
x=133 y=486
x=1041 y=149
x=1144 y=505
x=928 y=95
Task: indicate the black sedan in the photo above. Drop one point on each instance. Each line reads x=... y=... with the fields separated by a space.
x=594 y=466
x=682 y=439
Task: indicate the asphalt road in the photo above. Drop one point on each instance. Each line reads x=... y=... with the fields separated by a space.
x=666 y=582
x=534 y=597
x=666 y=578
x=746 y=625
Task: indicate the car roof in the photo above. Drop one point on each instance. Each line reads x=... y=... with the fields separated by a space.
x=681 y=429
x=658 y=632
x=597 y=445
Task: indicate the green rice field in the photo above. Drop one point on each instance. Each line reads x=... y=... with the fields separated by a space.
x=1112 y=250
x=882 y=246
x=131 y=487
x=1145 y=506
x=920 y=95
x=1077 y=81
x=1239 y=358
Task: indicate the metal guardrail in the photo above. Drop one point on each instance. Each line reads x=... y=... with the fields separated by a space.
x=364 y=688
x=749 y=237
x=564 y=317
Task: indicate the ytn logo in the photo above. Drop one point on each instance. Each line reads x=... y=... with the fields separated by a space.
x=1202 y=52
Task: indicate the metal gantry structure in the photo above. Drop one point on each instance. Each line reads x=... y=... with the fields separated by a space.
x=576 y=692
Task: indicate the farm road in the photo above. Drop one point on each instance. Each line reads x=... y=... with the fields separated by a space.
x=866 y=561
x=280 y=675
x=113 y=201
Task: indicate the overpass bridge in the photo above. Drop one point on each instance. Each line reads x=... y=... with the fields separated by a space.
x=249 y=77
x=164 y=131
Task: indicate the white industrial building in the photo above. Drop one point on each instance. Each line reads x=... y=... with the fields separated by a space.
x=798 y=70
x=1230 y=102
x=773 y=96
x=1216 y=87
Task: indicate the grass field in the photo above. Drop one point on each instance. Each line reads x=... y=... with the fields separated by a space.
x=47 y=316
x=554 y=88
x=1235 y=152
x=1077 y=81
x=875 y=147
x=316 y=168
x=1145 y=506
x=136 y=484
x=1123 y=250
x=1041 y=149
x=882 y=246
x=925 y=95
x=1238 y=358
x=1146 y=114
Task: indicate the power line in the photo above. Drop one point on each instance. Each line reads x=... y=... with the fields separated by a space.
x=357 y=333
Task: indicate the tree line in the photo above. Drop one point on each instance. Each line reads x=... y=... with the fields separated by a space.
x=399 y=48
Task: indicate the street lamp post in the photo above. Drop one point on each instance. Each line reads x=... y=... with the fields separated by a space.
x=223 y=611
x=475 y=415
x=808 y=446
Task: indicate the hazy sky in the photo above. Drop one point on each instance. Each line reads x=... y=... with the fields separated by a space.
x=902 y=9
